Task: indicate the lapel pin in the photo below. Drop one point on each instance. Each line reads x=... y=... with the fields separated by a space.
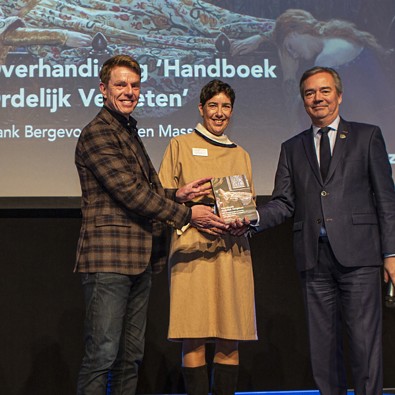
x=343 y=135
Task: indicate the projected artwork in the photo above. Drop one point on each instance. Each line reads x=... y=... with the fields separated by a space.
x=51 y=52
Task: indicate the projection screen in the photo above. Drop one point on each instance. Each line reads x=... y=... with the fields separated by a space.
x=51 y=52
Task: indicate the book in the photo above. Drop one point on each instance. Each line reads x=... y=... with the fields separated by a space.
x=234 y=198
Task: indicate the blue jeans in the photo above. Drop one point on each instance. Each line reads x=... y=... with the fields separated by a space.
x=114 y=332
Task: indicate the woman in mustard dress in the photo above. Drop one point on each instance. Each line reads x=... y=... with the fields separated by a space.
x=211 y=276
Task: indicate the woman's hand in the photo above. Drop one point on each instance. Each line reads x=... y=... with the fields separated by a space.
x=205 y=220
x=194 y=189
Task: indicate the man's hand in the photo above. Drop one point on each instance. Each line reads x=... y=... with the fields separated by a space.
x=239 y=227
x=194 y=189
x=389 y=269
x=205 y=220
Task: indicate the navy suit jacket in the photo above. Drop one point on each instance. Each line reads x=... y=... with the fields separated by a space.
x=356 y=203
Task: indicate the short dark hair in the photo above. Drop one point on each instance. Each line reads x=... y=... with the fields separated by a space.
x=215 y=87
x=115 y=61
x=318 y=69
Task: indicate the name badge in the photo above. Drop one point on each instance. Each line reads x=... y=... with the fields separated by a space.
x=199 y=152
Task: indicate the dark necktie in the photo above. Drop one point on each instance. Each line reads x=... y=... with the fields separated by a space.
x=325 y=152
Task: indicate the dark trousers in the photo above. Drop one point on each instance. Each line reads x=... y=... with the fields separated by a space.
x=338 y=297
x=115 y=322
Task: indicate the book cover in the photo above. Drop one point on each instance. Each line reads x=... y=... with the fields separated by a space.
x=233 y=197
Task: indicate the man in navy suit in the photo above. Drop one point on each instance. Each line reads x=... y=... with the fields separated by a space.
x=344 y=229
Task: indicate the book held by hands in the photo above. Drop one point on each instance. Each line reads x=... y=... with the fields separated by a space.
x=233 y=197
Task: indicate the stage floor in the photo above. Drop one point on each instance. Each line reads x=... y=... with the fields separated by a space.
x=304 y=392
x=387 y=391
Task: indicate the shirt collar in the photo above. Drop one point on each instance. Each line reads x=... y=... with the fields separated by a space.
x=130 y=124
x=333 y=126
x=223 y=139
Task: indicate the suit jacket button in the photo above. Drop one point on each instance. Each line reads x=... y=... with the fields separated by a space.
x=324 y=193
x=318 y=221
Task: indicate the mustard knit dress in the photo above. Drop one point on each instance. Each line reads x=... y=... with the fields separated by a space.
x=211 y=277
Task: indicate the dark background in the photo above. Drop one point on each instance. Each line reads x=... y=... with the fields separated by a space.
x=42 y=313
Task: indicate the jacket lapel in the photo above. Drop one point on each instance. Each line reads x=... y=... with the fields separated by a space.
x=338 y=151
x=308 y=143
x=141 y=154
x=130 y=141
